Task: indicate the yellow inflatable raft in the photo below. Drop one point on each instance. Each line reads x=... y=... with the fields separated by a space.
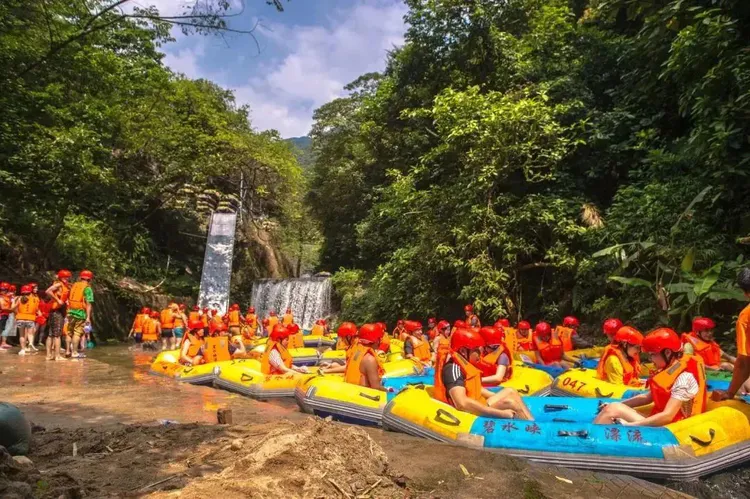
x=301 y=356
x=166 y=364
x=582 y=353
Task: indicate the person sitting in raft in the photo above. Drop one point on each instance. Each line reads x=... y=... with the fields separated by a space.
x=415 y=346
x=524 y=338
x=319 y=328
x=288 y=318
x=548 y=345
x=385 y=340
x=677 y=389
x=296 y=336
x=347 y=333
x=399 y=331
x=363 y=365
x=496 y=364
x=741 y=371
x=215 y=322
x=471 y=319
x=273 y=319
x=221 y=347
x=620 y=363
x=234 y=320
x=568 y=335
x=700 y=341
x=276 y=359
x=251 y=320
x=442 y=343
x=432 y=331
x=192 y=344
x=459 y=383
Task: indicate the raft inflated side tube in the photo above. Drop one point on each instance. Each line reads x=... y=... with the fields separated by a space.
x=166 y=365
x=317 y=341
x=562 y=434
x=331 y=396
x=244 y=376
x=15 y=430
x=300 y=356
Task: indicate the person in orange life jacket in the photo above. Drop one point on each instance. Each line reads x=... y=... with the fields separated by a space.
x=151 y=330
x=263 y=329
x=194 y=315
x=399 y=330
x=700 y=341
x=363 y=366
x=415 y=346
x=459 y=383
x=495 y=363
x=191 y=348
x=568 y=335
x=432 y=331
x=296 y=336
x=288 y=317
x=251 y=320
x=80 y=308
x=37 y=328
x=234 y=319
x=234 y=348
x=524 y=338
x=58 y=292
x=5 y=309
x=620 y=363
x=610 y=328
x=42 y=322
x=677 y=389
x=347 y=333
x=273 y=319
x=276 y=359
x=385 y=339
x=166 y=323
x=206 y=319
x=741 y=372
x=180 y=319
x=441 y=344
x=26 y=308
x=471 y=319
x=548 y=345
x=136 y=330
x=214 y=322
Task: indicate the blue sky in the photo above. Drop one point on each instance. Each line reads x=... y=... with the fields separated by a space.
x=307 y=54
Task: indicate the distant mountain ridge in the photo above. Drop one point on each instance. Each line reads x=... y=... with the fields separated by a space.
x=301 y=142
x=304 y=153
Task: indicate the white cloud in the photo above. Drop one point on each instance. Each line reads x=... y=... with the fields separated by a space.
x=186 y=61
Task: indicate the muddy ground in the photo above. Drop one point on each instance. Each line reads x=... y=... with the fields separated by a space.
x=99 y=431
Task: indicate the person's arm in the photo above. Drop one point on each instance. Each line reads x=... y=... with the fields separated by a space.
x=497 y=378
x=89 y=299
x=370 y=366
x=334 y=368
x=51 y=293
x=638 y=400
x=464 y=403
x=739 y=375
x=408 y=349
x=183 y=353
x=727 y=357
x=14 y=304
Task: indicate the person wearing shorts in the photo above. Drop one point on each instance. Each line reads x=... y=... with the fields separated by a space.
x=180 y=319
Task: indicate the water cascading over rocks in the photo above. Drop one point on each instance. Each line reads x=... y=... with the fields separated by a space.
x=217 y=262
x=308 y=297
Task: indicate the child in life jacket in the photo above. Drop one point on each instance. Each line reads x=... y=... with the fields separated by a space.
x=458 y=382
x=276 y=359
x=548 y=346
x=363 y=366
x=700 y=341
x=191 y=349
x=442 y=343
x=415 y=346
x=496 y=364
x=524 y=337
x=347 y=340
x=620 y=362
x=677 y=389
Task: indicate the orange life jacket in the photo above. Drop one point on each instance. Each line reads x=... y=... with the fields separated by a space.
x=565 y=334
x=194 y=316
x=341 y=343
x=265 y=364
x=234 y=318
x=138 y=323
x=630 y=368
x=166 y=318
x=353 y=374
x=272 y=321
x=472 y=375
x=404 y=336
x=216 y=349
x=196 y=343
x=385 y=344
x=252 y=320
x=710 y=352
x=473 y=321
x=525 y=343
x=511 y=341
x=215 y=323
x=287 y=319
x=549 y=351
x=317 y=330
x=661 y=383
x=149 y=330
x=205 y=318
x=421 y=349
x=488 y=363
x=27 y=311
x=398 y=332
x=62 y=293
x=444 y=347
x=76 y=300
x=297 y=340
x=432 y=333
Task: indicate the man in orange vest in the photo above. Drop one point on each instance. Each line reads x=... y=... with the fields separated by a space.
x=432 y=331
x=251 y=320
x=6 y=305
x=234 y=320
x=568 y=335
x=363 y=366
x=441 y=343
x=58 y=293
x=136 y=330
x=548 y=346
x=399 y=331
x=273 y=319
x=741 y=371
x=496 y=364
x=276 y=359
x=524 y=338
x=166 y=318
x=620 y=362
x=677 y=389
x=700 y=341
x=26 y=307
x=471 y=319
x=415 y=346
x=191 y=348
x=80 y=308
x=288 y=318
x=459 y=383
x=151 y=331
x=180 y=319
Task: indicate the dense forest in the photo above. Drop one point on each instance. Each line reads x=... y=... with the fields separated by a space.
x=110 y=161
x=541 y=158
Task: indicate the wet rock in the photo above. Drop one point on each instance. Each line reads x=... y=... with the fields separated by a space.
x=23 y=462
x=237 y=444
x=15 y=490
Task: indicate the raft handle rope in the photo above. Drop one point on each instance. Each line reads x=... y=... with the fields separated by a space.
x=600 y=395
x=187 y=370
x=374 y=398
x=555 y=407
x=525 y=391
x=451 y=419
x=246 y=377
x=579 y=433
x=561 y=420
x=705 y=443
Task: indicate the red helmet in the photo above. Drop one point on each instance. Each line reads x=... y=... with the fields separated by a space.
x=412 y=326
x=503 y=323
x=431 y=320
x=221 y=327
x=382 y=326
x=629 y=335
x=251 y=310
x=26 y=289
x=64 y=274
x=205 y=310
x=347 y=329
x=543 y=329
x=154 y=314
x=86 y=274
x=235 y=306
x=146 y=310
x=703 y=324
x=370 y=333
x=524 y=325
x=400 y=322
x=492 y=336
x=468 y=308
x=33 y=284
x=466 y=338
x=4 y=286
x=571 y=321
x=661 y=339
x=272 y=313
x=214 y=312
x=611 y=326
x=12 y=288
x=289 y=311
x=266 y=322
x=459 y=323
x=195 y=325
x=443 y=325
x=196 y=308
x=279 y=332
x=293 y=328
x=182 y=306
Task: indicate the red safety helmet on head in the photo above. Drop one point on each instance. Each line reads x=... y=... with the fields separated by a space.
x=289 y=311
x=629 y=335
x=205 y=310
x=272 y=313
x=154 y=314
x=469 y=308
x=459 y=323
x=413 y=326
x=86 y=274
x=235 y=306
x=370 y=333
x=661 y=339
x=703 y=324
x=543 y=329
x=251 y=310
x=12 y=288
x=146 y=310
x=33 y=284
x=443 y=325
x=4 y=286
x=382 y=326
x=64 y=274
x=492 y=336
x=293 y=328
x=195 y=325
x=400 y=322
x=221 y=327
x=523 y=325
x=502 y=322
x=266 y=322
x=432 y=321
x=196 y=308
x=571 y=321
x=466 y=338
x=347 y=329
x=279 y=332
x=25 y=289
x=182 y=306
x=611 y=326
x=214 y=312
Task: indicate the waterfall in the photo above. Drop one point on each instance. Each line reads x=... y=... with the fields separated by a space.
x=308 y=297
x=217 y=262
